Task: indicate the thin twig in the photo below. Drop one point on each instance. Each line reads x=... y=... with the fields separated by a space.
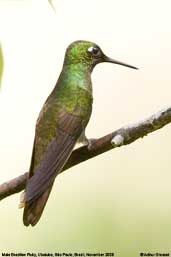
x=123 y=136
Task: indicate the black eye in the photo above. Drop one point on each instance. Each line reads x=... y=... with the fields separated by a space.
x=94 y=50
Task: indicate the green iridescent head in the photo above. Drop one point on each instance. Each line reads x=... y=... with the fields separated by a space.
x=88 y=54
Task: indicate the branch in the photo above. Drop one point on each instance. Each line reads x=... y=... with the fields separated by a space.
x=123 y=136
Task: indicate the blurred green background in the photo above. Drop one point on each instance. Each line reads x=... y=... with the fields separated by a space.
x=120 y=201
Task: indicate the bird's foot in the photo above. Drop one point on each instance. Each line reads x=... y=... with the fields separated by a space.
x=90 y=142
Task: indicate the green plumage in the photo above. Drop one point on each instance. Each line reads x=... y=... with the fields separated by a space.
x=71 y=94
x=61 y=122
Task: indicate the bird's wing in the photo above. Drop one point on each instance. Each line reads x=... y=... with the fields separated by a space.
x=58 y=151
x=34 y=209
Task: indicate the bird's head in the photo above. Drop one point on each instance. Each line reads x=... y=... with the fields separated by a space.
x=88 y=54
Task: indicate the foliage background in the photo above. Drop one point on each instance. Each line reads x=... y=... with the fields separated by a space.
x=118 y=202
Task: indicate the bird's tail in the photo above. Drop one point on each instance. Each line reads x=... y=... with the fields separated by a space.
x=33 y=209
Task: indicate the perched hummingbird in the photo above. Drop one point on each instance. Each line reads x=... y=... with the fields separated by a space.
x=61 y=124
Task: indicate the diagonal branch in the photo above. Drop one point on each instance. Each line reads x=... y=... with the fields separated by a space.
x=123 y=136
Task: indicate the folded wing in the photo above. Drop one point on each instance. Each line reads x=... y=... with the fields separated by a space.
x=59 y=149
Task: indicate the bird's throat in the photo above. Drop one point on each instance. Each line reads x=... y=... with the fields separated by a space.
x=77 y=76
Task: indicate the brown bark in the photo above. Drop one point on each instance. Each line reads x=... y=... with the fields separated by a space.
x=122 y=136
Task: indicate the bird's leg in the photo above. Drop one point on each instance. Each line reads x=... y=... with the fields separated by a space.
x=86 y=141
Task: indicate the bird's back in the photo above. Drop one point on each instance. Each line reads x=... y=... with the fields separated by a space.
x=61 y=121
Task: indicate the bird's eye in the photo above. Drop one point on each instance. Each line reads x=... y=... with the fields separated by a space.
x=94 y=50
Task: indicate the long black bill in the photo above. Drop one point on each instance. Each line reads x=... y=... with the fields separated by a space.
x=108 y=59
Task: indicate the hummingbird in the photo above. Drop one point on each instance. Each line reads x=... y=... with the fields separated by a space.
x=61 y=124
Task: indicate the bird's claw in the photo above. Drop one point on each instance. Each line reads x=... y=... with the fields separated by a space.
x=90 y=143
